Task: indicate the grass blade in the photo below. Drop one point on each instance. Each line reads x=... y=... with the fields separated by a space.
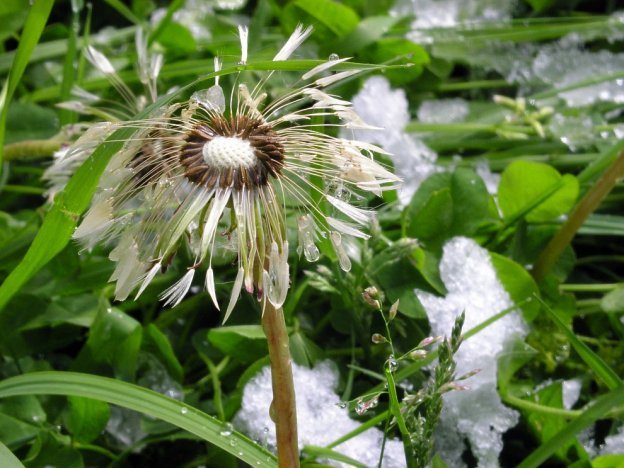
x=7 y=459
x=33 y=27
x=598 y=409
x=595 y=362
x=142 y=400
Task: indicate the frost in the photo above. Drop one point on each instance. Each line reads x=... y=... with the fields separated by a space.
x=322 y=419
x=571 y=390
x=443 y=111
x=476 y=414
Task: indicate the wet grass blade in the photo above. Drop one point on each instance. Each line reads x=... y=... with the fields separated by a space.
x=138 y=399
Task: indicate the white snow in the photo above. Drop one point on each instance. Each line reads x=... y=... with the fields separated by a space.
x=565 y=64
x=573 y=131
x=321 y=417
x=443 y=110
x=431 y=14
x=381 y=106
x=478 y=413
x=614 y=445
x=571 y=390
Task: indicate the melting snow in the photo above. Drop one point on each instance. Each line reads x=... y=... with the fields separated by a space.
x=478 y=414
x=322 y=419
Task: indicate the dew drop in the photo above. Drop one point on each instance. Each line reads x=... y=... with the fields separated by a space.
x=333 y=57
x=343 y=404
x=184 y=410
x=227 y=430
x=392 y=363
x=233 y=442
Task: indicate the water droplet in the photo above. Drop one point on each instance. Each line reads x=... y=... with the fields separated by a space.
x=362 y=406
x=392 y=363
x=265 y=429
x=333 y=57
x=184 y=410
x=343 y=404
x=233 y=442
x=227 y=430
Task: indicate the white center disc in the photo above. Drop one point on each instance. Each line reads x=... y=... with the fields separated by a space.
x=228 y=153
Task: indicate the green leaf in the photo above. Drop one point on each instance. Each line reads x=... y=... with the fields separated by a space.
x=328 y=18
x=512 y=358
x=535 y=191
x=15 y=432
x=33 y=27
x=244 y=342
x=447 y=205
x=518 y=283
x=403 y=267
x=177 y=38
x=7 y=459
x=142 y=400
x=613 y=301
x=114 y=339
x=608 y=461
x=547 y=425
x=27 y=121
x=157 y=343
x=53 y=449
x=368 y=31
x=303 y=350
x=87 y=418
x=598 y=409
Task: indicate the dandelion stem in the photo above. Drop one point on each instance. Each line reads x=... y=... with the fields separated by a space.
x=283 y=409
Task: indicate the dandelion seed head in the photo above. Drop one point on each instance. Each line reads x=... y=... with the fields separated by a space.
x=217 y=171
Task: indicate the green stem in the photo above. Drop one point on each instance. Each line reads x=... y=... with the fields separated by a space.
x=28 y=149
x=360 y=429
x=537 y=408
x=585 y=207
x=283 y=408
x=606 y=287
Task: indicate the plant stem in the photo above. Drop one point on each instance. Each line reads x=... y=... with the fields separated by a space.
x=585 y=207
x=283 y=409
x=31 y=148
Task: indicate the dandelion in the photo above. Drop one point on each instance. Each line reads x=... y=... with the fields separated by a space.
x=220 y=173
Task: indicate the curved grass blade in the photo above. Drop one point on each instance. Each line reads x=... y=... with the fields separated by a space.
x=597 y=409
x=7 y=459
x=142 y=400
x=33 y=27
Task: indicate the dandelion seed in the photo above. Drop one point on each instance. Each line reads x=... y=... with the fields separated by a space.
x=213 y=172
